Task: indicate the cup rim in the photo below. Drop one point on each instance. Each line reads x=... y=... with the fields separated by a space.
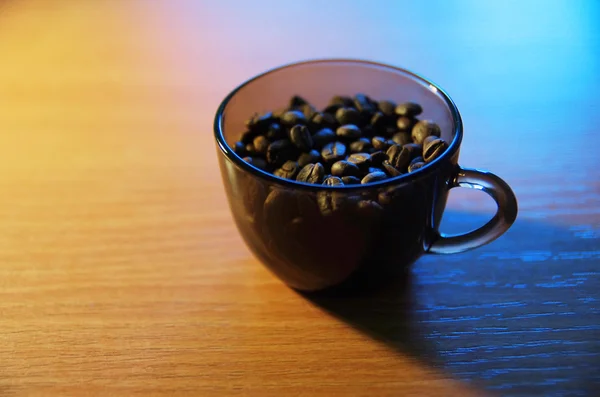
x=401 y=179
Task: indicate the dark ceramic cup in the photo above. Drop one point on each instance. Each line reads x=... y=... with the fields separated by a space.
x=359 y=244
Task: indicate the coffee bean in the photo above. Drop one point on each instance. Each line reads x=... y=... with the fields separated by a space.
x=308 y=111
x=348 y=116
x=415 y=165
x=322 y=120
x=405 y=123
x=309 y=157
x=360 y=145
x=259 y=123
x=433 y=147
x=332 y=108
x=373 y=177
x=344 y=168
x=297 y=101
x=390 y=170
x=250 y=151
x=330 y=202
x=288 y=170
x=293 y=117
x=333 y=152
x=414 y=148
x=362 y=160
x=423 y=129
x=398 y=157
x=333 y=181
x=379 y=121
x=349 y=132
x=409 y=109
x=300 y=136
x=374 y=169
x=239 y=148
x=417 y=159
x=311 y=173
x=380 y=143
x=261 y=144
x=387 y=107
x=275 y=132
x=281 y=151
x=401 y=138
x=257 y=162
x=323 y=137
x=247 y=137
x=369 y=209
x=344 y=101
x=365 y=105
x=378 y=158
x=350 y=180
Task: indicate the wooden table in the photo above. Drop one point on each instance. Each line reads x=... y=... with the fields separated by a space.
x=122 y=273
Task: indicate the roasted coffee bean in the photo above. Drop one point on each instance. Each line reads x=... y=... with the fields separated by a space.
x=293 y=117
x=348 y=116
x=387 y=107
x=323 y=120
x=365 y=105
x=261 y=144
x=330 y=202
x=297 y=101
x=433 y=147
x=405 y=123
x=275 y=132
x=368 y=131
x=348 y=132
x=345 y=101
x=323 y=137
x=288 y=170
x=402 y=138
x=334 y=151
x=311 y=173
x=362 y=160
x=398 y=157
x=414 y=148
x=390 y=170
x=409 y=109
x=373 y=177
x=369 y=209
x=350 y=180
x=333 y=181
x=417 y=159
x=378 y=158
x=259 y=123
x=374 y=169
x=309 y=157
x=379 y=121
x=423 y=129
x=415 y=165
x=380 y=143
x=257 y=162
x=240 y=149
x=300 y=136
x=344 y=168
x=250 y=151
x=360 y=145
x=247 y=137
x=308 y=111
x=281 y=151
x=332 y=108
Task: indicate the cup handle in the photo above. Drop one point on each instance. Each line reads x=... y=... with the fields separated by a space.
x=505 y=214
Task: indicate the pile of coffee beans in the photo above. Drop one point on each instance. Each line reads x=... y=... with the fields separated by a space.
x=353 y=140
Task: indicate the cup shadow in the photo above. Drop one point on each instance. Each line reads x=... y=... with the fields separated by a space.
x=519 y=316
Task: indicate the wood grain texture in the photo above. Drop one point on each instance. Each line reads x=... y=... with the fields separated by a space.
x=122 y=273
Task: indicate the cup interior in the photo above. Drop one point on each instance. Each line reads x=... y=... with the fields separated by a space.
x=319 y=81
